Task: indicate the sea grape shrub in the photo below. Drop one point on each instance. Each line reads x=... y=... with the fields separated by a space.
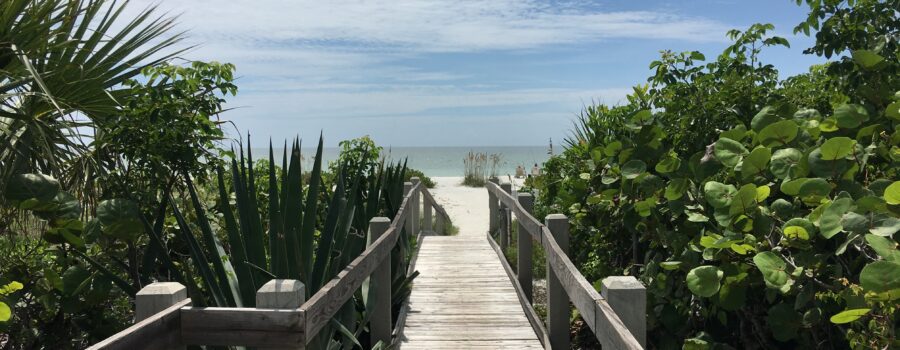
x=779 y=234
x=63 y=281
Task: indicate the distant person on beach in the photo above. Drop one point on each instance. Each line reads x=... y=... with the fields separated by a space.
x=535 y=171
x=520 y=171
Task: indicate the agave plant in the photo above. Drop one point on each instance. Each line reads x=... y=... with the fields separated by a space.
x=296 y=236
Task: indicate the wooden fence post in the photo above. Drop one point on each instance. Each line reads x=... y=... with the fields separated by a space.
x=505 y=220
x=281 y=294
x=557 y=299
x=417 y=204
x=439 y=224
x=628 y=298
x=157 y=297
x=380 y=324
x=407 y=187
x=524 y=248
x=428 y=209
x=492 y=206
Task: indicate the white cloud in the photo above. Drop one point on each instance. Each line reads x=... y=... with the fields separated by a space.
x=345 y=65
x=427 y=25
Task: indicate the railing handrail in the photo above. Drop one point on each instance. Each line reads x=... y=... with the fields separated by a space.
x=595 y=309
x=181 y=324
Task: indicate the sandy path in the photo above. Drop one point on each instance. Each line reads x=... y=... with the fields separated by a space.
x=467 y=206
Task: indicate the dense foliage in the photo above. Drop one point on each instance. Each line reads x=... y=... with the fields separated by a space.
x=113 y=177
x=759 y=212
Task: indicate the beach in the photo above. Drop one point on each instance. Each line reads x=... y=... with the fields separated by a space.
x=457 y=200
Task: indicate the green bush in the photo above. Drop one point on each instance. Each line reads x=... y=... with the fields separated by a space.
x=411 y=173
x=769 y=224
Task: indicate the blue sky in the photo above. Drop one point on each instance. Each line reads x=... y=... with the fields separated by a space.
x=453 y=73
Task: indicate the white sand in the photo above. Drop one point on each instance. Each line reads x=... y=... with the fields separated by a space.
x=467 y=206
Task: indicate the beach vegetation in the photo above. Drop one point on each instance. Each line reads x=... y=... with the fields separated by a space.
x=759 y=212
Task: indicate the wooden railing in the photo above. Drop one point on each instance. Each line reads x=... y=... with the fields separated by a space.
x=282 y=317
x=617 y=315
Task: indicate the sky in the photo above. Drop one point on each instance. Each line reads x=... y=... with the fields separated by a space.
x=452 y=72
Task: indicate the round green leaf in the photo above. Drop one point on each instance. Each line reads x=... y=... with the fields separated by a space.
x=812 y=191
x=37 y=188
x=773 y=269
x=779 y=133
x=893 y=110
x=669 y=164
x=782 y=161
x=792 y=187
x=826 y=168
x=764 y=118
x=867 y=59
x=784 y=322
x=719 y=195
x=756 y=162
x=729 y=152
x=120 y=218
x=880 y=276
x=676 y=189
x=885 y=226
x=892 y=193
x=782 y=208
x=796 y=232
x=73 y=279
x=808 y=226
x=830 y=223
x=5 y=312
x=837 y=148
x=633 y=168
x=884 y=247
x=704 y=280
x=744 y=200
x=848 y=316
x=850 y=116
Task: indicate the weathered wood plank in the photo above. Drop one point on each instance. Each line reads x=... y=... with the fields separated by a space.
x=328 y=300
x=524 y=299
x=159 y=331
x=242 y=326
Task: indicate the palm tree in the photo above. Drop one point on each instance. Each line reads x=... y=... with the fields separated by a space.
x=62 y=64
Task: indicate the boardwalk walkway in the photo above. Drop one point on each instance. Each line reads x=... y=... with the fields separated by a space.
x=463 y=298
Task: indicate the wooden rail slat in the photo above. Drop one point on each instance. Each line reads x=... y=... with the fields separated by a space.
x=606 y=324
x=322 y=306
x=437 y=208
x=242 y=326
x=160 y=331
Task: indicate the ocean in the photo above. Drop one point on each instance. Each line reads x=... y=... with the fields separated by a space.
x=438 y=161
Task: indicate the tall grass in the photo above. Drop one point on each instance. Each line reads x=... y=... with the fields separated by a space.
x=479 y=167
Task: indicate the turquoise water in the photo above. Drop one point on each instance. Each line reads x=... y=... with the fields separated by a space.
x=440 y=161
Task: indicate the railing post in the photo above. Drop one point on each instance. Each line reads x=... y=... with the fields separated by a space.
x=628 y=298
x=524 y=248
x=407 y=187
x=157 y=297
x=281 y=294
x=439 y=224
x=492 y=206
x=504 y=218
x=557 y=299
x=427 y=206
x=380 y=323
x=417 y=204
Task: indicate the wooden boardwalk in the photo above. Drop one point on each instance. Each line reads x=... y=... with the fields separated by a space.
x=463 y=298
